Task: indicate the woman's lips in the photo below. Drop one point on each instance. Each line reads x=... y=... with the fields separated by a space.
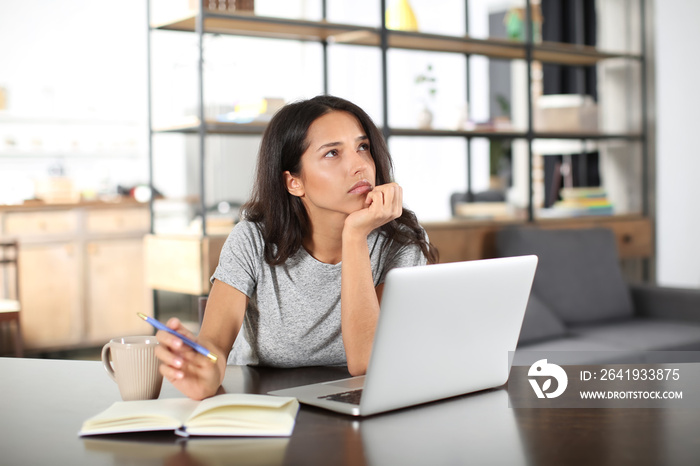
x=361 y=187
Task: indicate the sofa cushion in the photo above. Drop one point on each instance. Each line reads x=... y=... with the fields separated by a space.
x=644 y=334
x=575 y=350
x=578 y=275
x=540 y=323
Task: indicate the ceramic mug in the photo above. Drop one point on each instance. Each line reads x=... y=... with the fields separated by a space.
x=132 y=363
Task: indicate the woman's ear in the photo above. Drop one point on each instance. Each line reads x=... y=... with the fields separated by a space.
x=293 y=184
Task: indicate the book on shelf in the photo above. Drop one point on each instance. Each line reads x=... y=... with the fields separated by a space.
x=583 y=193
x=577 y=202
x=232 y=414
x=484 y=210
x=574 y=211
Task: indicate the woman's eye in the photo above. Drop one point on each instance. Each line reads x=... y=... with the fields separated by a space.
x=364 y=147
x=332 y=153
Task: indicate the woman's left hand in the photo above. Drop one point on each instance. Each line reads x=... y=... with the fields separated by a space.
x=382 y=205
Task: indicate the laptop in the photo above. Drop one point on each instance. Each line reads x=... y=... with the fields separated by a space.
x=443 y=330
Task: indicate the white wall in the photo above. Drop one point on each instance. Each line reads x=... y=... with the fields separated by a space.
x=74 y=73
x=678 y=146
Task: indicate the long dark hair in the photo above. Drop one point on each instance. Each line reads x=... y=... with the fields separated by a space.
x=282 y=216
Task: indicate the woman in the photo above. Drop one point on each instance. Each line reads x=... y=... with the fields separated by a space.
x=302 y=275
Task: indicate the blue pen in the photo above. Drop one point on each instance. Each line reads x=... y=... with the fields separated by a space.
x=196 y=346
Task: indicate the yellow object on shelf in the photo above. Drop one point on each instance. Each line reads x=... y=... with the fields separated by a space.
x=399 y=16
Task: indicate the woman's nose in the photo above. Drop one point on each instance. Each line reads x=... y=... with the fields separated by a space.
x=361 y=162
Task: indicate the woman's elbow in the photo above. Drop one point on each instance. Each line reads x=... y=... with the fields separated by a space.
x=355 y=371
x=357 y=368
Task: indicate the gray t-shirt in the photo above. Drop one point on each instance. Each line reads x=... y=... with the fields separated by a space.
x=293 y=315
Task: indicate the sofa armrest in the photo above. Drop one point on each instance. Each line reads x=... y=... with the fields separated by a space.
x=681 y=304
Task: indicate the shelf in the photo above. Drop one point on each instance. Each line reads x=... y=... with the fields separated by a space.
x=272 y=28
x=7 y=117
x=193 y=200
x=458 y=222
x=305 y=30
x=572 y=54
x=589 y=135
x=550 y=52
x=492 y=134
x=496 y=48
x=115 y=202
x=191 y=126
x=513 y=134
x=462 y=239
x=68 y=155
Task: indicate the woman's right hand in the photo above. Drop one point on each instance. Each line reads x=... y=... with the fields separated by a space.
x=193 y=374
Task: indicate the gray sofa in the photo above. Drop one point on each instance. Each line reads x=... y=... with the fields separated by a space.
x=582 y=307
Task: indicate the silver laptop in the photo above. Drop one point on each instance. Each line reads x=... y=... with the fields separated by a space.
x=443 y=330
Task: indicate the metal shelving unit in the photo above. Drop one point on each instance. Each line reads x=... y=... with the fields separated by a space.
x=329 y=33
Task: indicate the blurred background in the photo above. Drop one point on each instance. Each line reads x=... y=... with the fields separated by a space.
x=80 y=163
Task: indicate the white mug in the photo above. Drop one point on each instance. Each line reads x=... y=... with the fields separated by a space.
x=132 y=363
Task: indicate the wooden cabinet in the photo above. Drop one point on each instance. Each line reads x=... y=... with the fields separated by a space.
x=116 y=289
x=114 y=221
x=40 y=223
x=182 y=264
x=50 y=293
x=472 y=240
x=81 y=273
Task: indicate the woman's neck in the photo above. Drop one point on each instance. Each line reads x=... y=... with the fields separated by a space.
x=325 y=241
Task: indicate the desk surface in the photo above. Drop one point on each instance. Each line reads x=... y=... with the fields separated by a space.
x=44 y=402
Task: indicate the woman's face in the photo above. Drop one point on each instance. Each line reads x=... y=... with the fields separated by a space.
x=337 y=168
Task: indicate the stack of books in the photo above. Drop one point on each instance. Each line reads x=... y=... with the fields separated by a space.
x=581 y=202
x=484 y=210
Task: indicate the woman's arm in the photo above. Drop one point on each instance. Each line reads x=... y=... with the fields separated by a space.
x=359 y=301
x=190 y=372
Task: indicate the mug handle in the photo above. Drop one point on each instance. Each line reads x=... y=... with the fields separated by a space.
x=106 y=362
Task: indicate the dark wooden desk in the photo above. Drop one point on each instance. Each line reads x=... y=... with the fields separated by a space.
x=44 y=402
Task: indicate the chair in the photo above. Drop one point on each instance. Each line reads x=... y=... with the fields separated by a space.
x=10 y=308
x=201 y=306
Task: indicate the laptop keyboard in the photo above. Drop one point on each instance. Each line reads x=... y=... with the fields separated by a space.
x=352 y=397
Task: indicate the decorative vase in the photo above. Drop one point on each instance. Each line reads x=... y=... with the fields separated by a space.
x=425 y=118
x=399 y=16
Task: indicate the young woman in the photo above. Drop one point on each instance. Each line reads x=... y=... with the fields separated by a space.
x=300 y=278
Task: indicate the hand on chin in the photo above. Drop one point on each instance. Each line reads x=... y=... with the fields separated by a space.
x=382 y=205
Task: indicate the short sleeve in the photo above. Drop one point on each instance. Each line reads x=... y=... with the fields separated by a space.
x=241 y=257
x=392 y=256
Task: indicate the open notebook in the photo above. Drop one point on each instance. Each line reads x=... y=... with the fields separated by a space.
x=231 y=414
